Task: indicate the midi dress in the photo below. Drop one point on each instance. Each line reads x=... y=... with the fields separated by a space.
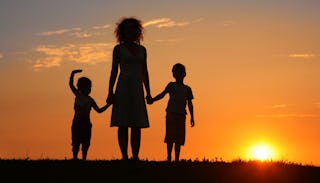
x=129 y=108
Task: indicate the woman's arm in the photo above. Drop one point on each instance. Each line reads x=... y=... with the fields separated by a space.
x=114 y=72
x=146 y=76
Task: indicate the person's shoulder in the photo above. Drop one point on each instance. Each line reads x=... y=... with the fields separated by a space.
x=187 y=86
x=117 y=46
x=142 y=47
x=170 y=85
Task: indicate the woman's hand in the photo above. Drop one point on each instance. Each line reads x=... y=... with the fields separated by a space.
x=110 y=98
x=149 y=99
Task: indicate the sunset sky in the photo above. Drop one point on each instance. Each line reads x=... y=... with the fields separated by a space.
x=253 y=67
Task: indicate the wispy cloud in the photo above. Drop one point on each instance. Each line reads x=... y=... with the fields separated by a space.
x=156 y=21
x=302 y=55
x=1 y=55
x=58 y=32
x=82 y=34
x=102 y=26
x=165 y=23
x=90 y=53
x=286 y=115
x=77 y=31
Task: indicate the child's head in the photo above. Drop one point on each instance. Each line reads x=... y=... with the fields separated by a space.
x=84 y=85
x=178 y=71
x=129 y=29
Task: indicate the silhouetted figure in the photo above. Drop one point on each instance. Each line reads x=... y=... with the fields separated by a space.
x=81 y=124
x=180 y=95
x=129 y=108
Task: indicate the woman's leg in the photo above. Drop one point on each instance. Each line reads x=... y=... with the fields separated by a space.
x=123 y=141
x=135 y=142
x=169 y=150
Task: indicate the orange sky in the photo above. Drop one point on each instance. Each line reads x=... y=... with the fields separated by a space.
x=253 y=69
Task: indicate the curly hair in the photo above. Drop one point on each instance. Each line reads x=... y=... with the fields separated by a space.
x=121 y=25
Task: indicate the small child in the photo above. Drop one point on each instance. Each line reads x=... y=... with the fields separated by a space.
x=81 y=124
x=180 y=95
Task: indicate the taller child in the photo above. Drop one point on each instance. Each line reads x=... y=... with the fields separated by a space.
x=129 y=106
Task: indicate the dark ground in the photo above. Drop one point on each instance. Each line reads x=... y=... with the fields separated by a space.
x=153 y=171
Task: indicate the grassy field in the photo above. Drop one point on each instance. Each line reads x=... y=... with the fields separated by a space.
x=154 y=171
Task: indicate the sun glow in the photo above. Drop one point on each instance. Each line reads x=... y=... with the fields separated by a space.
x=262 y=152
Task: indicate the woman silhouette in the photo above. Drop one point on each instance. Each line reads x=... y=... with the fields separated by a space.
x=129 y=107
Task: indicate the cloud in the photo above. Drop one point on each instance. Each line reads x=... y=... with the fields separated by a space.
x=164 y=23
x=102 y=26
x=302 y=56
x=59 y=32
x=156 y=21
x=1 y=55
x=82 y=34
x=54 y=56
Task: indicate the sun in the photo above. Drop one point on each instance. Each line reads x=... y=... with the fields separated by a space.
x=262 y=153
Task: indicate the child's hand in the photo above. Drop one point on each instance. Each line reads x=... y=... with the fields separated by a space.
x=76 y=71
x=149 y=99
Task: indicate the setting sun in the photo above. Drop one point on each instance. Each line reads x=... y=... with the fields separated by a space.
x=262 y=152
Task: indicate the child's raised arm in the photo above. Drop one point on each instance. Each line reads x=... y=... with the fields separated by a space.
x=73 y=88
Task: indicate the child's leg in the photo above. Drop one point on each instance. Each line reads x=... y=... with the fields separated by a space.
x=169 y=150
x=177 y=151
x=123 y=141
x=135 y=142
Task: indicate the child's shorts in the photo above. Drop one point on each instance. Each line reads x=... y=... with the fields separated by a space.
x=175 y=128
x=81 y=134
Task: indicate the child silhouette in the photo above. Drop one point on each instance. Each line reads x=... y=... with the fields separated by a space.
x=81 y=124
x=180 y=96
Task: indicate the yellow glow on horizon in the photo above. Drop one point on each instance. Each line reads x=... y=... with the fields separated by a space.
x=262 y=152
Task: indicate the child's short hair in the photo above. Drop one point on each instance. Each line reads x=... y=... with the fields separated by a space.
x=84 y=83
x=178 y=67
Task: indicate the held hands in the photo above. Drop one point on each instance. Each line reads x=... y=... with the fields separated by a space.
x=149 y=99
x=110 y=99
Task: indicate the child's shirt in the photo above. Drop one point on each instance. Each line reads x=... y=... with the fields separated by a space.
x=82 y=108
x=179 y=94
